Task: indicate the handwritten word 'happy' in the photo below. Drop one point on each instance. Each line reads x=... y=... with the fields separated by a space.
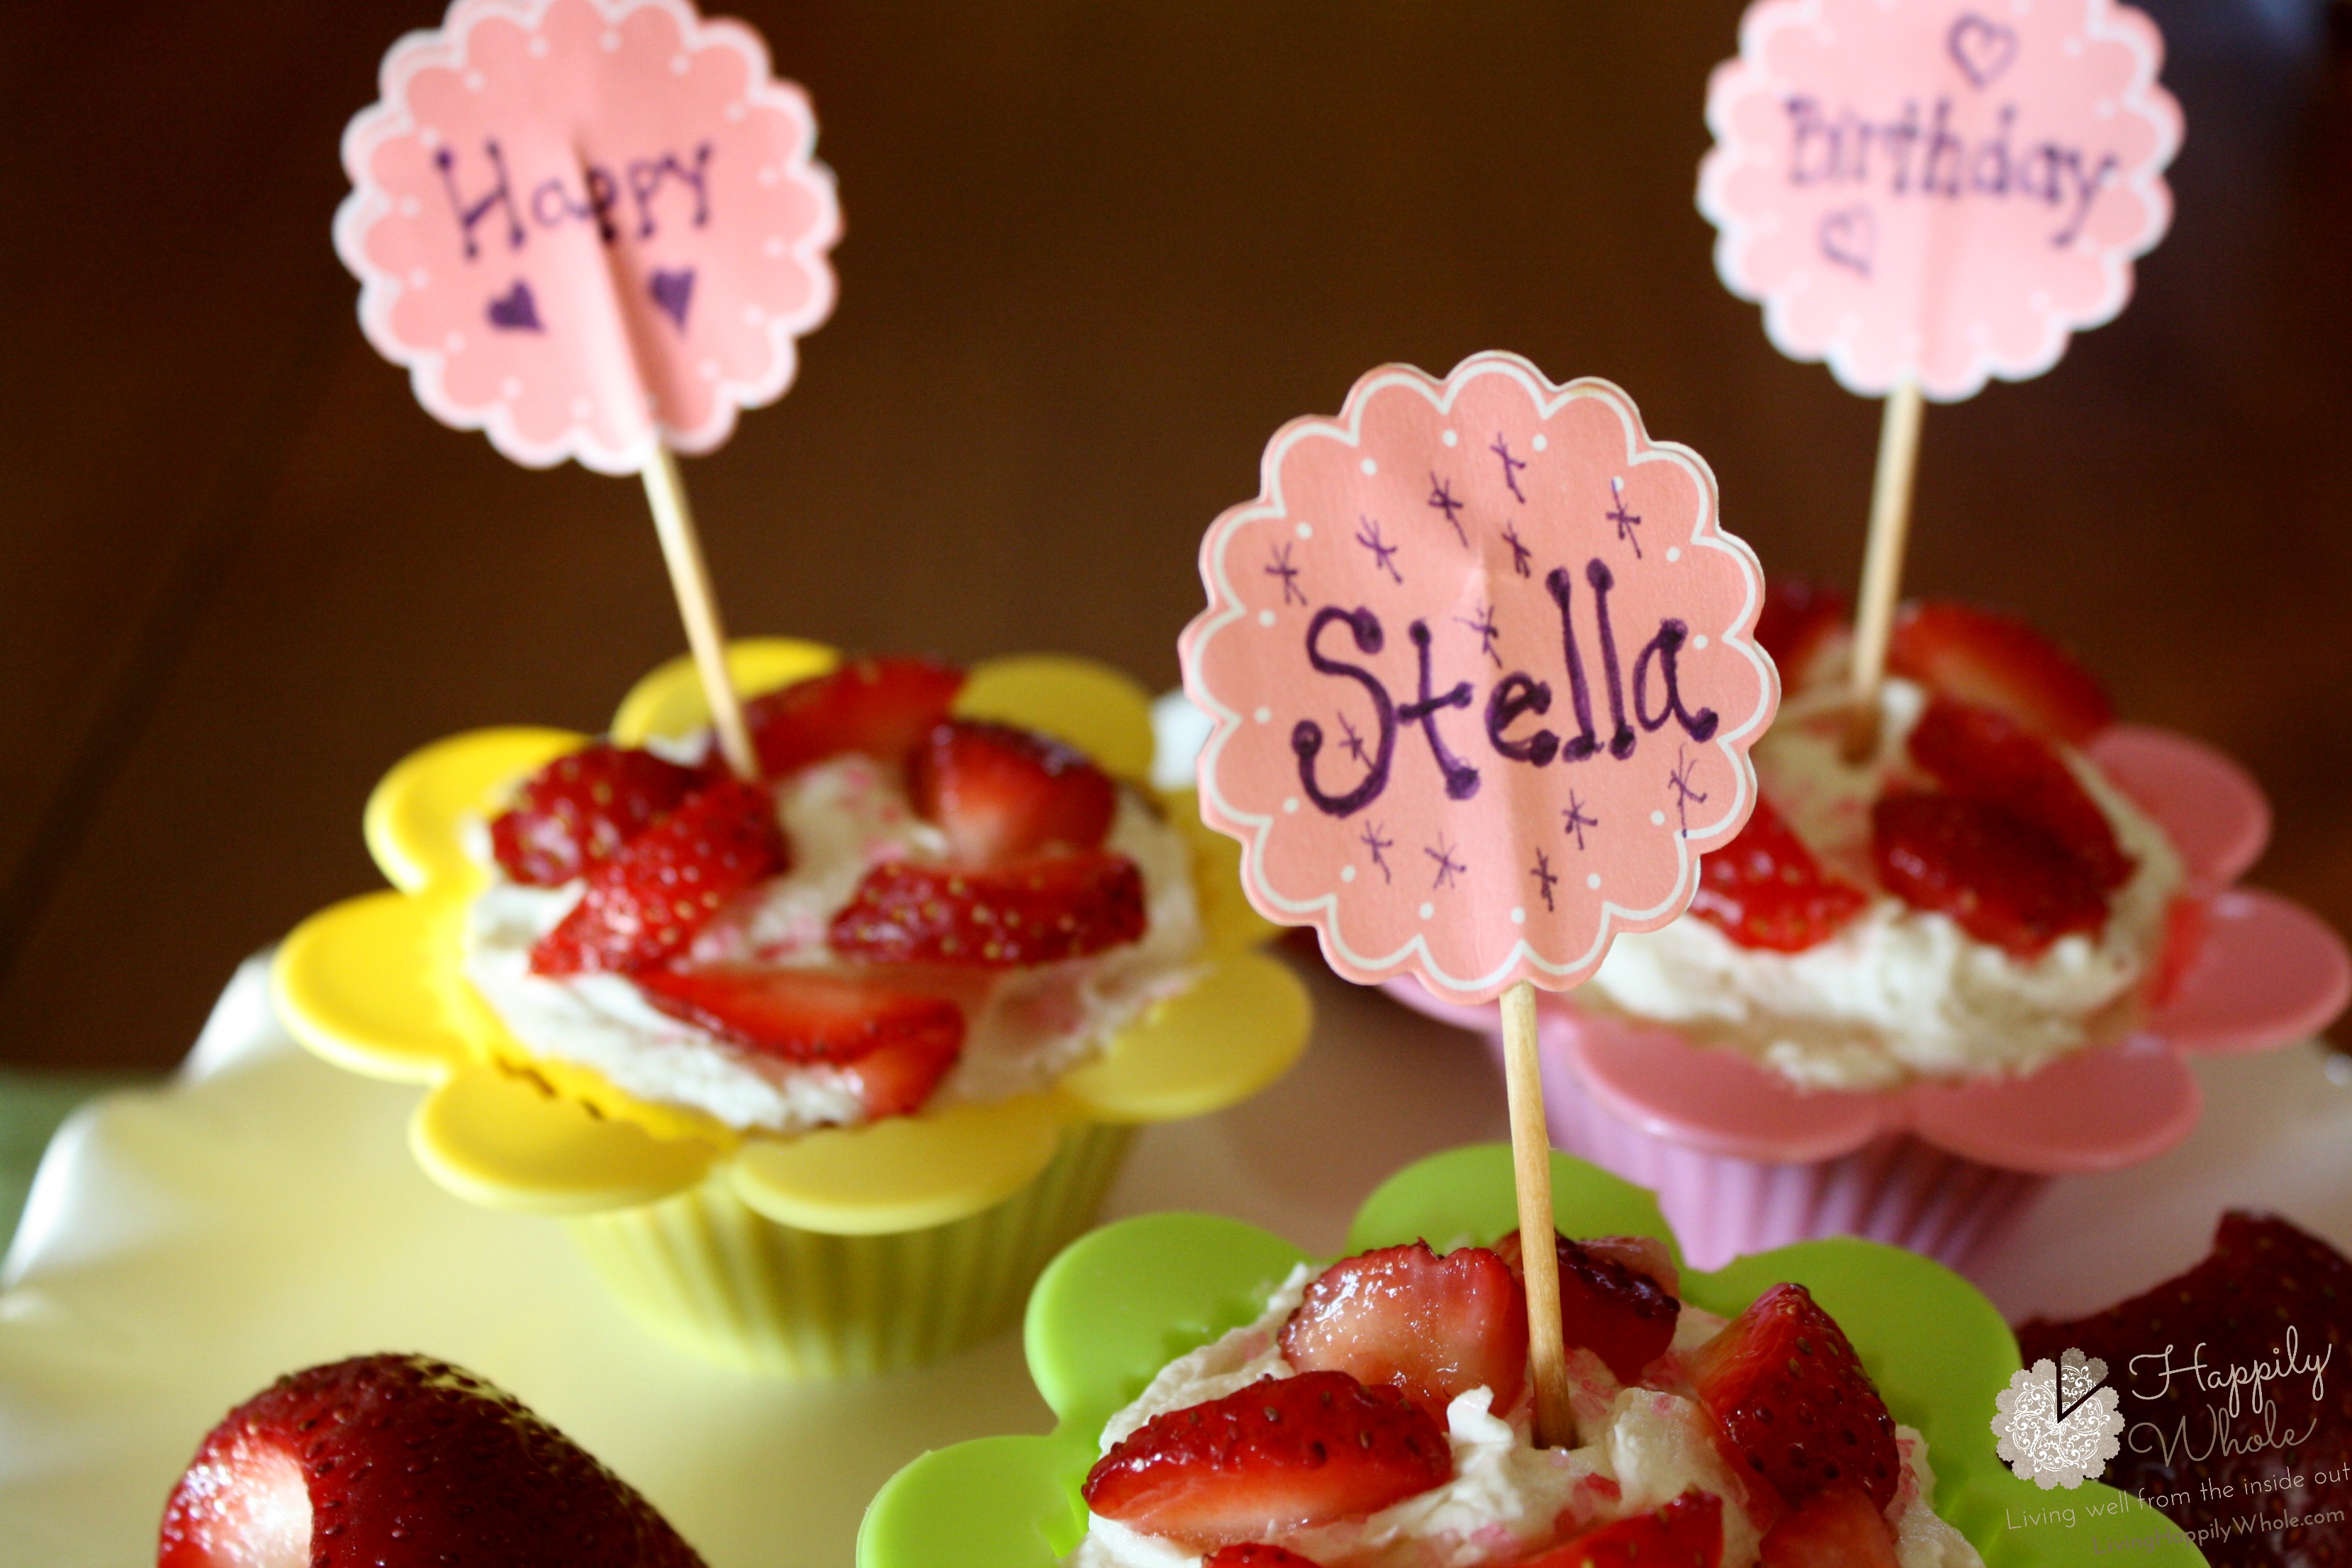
x=591 y=197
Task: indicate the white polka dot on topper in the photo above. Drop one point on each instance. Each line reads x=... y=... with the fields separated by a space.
x=1938 y=191
x=588 y=225
x=1480 y=664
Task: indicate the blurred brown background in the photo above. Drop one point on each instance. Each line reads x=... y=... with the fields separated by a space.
x=1096 y=254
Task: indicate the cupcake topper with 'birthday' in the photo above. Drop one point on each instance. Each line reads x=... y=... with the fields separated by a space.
x=1480 y=664
x=1926 y=194
x=592 y=229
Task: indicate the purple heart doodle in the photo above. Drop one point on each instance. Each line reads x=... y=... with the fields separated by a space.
x=673 y=292
x=1849 y=235
x=1984 y=48
x=516 y=311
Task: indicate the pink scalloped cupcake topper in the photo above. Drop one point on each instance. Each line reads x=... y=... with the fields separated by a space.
x=1939 y=191
x=1480 y=664
x=588 y=226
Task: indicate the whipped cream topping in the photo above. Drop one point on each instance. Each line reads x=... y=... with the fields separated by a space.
x=1641 y=1448
x=842 y=817
x=1899 y=994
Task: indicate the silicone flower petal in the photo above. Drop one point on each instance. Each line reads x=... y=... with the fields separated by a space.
x=508 y=1141
x=1237 y=1029
x=2267 y=970
x=904 y=1172
x=1100 y=710
x=412 y=819
x=1121 y=1302
x=364 y=984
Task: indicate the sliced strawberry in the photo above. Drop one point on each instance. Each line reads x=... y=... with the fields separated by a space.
x=1641 y=1254
x=1765 y=889
x=878 y=706
x=1793 y=1401
x=2187 y=923
x=1999 y=661
x=1038 y=911
x=1800 y=622
x=1837 y=1526
x=1981 y=754
x=1433 y=1327
x=2002 y=878
x=803 y=1014
x=1003 y=793
x=582 y=808
x=1254 y=1555
x=1685 y=1533
x=1621 y=1314
x=646 y=902
x=402 y=1461
x=1281 y=1454
x=898 y=1079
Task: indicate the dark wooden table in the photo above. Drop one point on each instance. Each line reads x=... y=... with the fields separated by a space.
x=1094 y=255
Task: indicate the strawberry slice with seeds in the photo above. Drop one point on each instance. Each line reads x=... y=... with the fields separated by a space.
x=2004 y=880
x=1685 y=1533
x=1836 y=1527
x=405 y=1462
x=1003 y=793
x=1999 y=661
x=1766 y=890
x=1793 y=1402
x=1621 y=1314
x=896 y=1044
x=582 y=809
x=645 y=903
x=1283 y=1454
x=1800 y=622
x=1037 y=910
x=876 y=706
x=1256 y=1555
x=1429 y=1326
x=1980 y=755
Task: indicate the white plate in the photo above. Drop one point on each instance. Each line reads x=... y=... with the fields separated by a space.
x=185 y=1246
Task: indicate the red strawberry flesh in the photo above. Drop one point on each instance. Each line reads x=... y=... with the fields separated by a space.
x=1284 y=1454
x=1978 y=753
x=582 y=809
x=1999 y=661
x=1838 y=1527
x=1685 y=1533
x=1620 y=1313
x=876 y=706
x=1793 y=1402
x=1254 y=1555
x=2004 y=880
x=1038 y=911
x=644 y=904
x=1001 y=793
x=1432 y=1327
x=1766 y=890
x=396 y=1461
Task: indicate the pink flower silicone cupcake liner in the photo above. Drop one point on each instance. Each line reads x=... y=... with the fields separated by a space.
x=1742 y=1160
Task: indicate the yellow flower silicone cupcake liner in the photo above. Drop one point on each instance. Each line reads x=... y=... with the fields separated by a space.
x=827 y=1254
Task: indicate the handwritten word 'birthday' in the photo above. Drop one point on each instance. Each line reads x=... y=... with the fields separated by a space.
x=592 y=198
x=1511 y=698
x=1931 y=159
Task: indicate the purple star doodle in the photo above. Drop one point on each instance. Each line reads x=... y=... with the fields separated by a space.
x=1484 y=624
x=1544 y=878
x=1520 y=553
x=1679 y=781
x=1626 y=521
x=1368 y=536
x=1371 y=840
x=1354 y=743
x=1511 y=466
x=1448 y=868
x=1282 y=568
x=1574 y=821
x=1441 y=496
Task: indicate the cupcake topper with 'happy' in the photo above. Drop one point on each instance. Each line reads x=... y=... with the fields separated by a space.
x=1480 y=666
x=593 y=230
x=1929 y=193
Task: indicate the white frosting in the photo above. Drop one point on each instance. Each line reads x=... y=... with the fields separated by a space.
x=1899 y=993
x=842 y=817
x=1641 y=1449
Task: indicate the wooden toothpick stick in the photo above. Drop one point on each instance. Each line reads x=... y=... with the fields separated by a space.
x=1881 y=562
x=690 y=579
x=1531 y=1157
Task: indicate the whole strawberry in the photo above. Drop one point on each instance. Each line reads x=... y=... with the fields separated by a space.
x=397 y=1461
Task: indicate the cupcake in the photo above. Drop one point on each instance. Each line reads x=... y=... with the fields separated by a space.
x=1224 y=1402
x=821 y=1069
x=1925 y=979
